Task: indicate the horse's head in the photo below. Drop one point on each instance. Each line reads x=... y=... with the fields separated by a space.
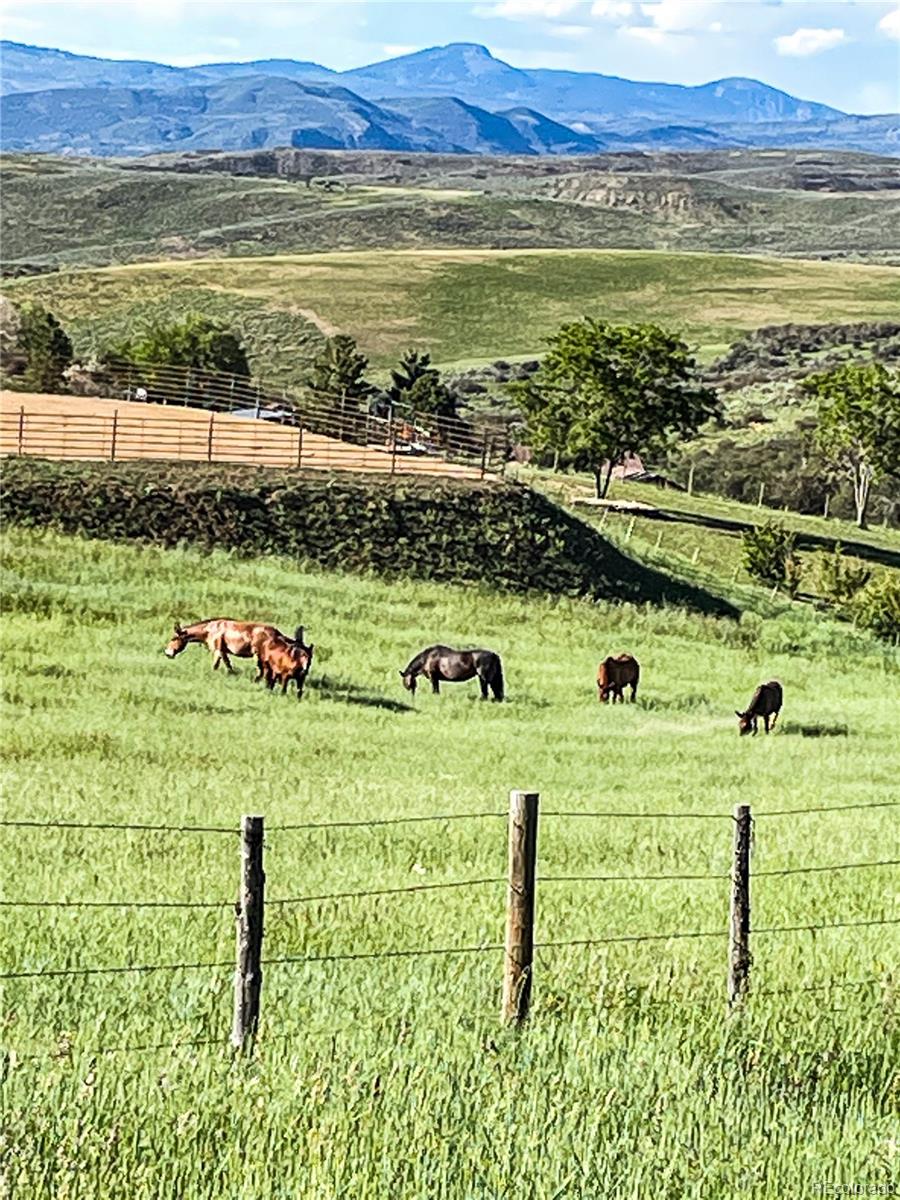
x=409 y=680
x=298 y=637
x=177 y=642
x=745 y=722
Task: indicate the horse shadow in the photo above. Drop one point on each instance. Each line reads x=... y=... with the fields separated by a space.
x=342 y=691
x=792 y=728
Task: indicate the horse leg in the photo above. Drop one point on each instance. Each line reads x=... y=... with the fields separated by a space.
x=766 y=721
x=774 y=719
x=484 y=687
x=633 y=692
x=270 y=678
x=435 y=684
x=285 y=680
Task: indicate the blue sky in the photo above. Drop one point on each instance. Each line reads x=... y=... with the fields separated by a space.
x=846 y=54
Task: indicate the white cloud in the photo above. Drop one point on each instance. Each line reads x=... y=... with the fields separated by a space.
x=646 y=33
x=683 y=16
x=569 y=31
x=612 y=10
x=396 y=50
x=528 y=10
x=803 y=43
x=890 y=24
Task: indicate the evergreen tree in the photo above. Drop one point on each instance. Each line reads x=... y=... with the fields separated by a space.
x=46 y=346
x=338 y=374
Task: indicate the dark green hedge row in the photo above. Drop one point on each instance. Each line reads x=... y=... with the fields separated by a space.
x=500 y=534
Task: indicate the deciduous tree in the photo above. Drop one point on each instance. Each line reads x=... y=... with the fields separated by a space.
x=605 y=391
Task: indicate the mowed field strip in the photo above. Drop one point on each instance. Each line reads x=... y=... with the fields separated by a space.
x=463 y=305
x=91 y=427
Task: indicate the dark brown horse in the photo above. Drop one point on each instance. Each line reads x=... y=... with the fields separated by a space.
x=766 y=703
x=616 y=673
x=224 y=637
x=281 y=660
x=440 y=664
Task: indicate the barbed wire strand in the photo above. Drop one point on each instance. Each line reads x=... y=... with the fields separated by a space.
x=690 y=816
x=111 y=825
x=379 y=821
x=266 y=1038
x=793 y=812
x=283 y=901
x=881 y=862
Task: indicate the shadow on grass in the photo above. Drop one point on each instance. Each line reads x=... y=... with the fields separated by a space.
x=814 y=731
x=603 y=572
x=341 y=691
x=806 y=540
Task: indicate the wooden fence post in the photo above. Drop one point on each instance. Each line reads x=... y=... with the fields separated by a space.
x=209 y=441
x=519 y=955
x=739 y=959
x=484 y=454
x=249 y=914
x=690 y=485
x=299 y=447
x=21 y=428
x=762 y=492
x=112 y=444
x=393 y=450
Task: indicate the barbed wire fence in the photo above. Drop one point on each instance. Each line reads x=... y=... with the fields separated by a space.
x=518 y=950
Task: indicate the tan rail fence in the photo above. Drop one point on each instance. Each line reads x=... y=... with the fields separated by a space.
x=176 y=413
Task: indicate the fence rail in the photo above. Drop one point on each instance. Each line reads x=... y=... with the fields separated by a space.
x=520 y=948
x=168 y=412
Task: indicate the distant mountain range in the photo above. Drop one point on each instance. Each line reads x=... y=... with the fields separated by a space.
x=449 y=99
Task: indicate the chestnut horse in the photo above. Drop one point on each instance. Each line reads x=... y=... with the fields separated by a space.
x=281 y=660
x=441 y=664
x=766 y=703
x=616 y=673
x=223 y=637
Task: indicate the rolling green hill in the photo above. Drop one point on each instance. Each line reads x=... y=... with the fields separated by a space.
x=464 y=306
x=59 y=212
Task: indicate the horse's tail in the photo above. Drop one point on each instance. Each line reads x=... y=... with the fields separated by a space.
x=498 y=679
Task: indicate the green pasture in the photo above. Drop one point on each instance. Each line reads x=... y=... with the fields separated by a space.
x=392 y=1076
x=465 y=306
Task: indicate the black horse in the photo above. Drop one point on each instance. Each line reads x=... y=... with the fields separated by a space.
x=440 y=663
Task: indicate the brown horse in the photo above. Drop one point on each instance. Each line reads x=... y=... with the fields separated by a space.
x=616 y=673
x=281 y=660
x=222 y=637
x=441 y=664
x=766 y=703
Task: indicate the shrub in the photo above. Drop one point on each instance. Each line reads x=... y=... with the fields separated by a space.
x=839 y=580
x=46 y=346
x=769 y=556
x=877 y=607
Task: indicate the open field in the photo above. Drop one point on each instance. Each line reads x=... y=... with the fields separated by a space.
x=391 y=1076
x=91 y=427
x=464 y=306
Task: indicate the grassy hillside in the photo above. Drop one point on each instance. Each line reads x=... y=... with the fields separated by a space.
x=63 y=212
x=465 y=306
x=628 y=1067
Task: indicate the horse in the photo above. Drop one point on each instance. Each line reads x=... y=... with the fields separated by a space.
x=223 y=637
x=616 y=673
x=441 y=664
x=766 y=703
x=281 y=660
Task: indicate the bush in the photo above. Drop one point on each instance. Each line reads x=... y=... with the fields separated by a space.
x=46 y=346
x=838 y=580
x=877 y=607
x=769 y=556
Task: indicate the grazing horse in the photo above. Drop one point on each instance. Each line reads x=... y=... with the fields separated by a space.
x=616 y=673
x=222 y=637
x=766 y=703
x=441 y=664
x=281 y=660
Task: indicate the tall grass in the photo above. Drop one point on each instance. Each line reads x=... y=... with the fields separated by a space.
x=392 y=1077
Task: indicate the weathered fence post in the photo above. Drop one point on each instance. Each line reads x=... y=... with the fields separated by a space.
x=209 y=440
x=112 y=444
x=690 y=485
x=21 y=428
x=739 y=942
x=393 y=450
x=484 y=454
x=762 y=492
x=249 y=914
x=299 y=447
x=519 y=955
